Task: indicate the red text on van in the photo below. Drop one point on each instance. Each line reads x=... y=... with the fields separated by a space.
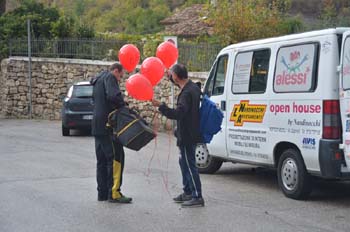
x=291 y=78
x=295 y=108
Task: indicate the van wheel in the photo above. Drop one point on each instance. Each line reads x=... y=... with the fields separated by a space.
x=293 y=178
x=65 y=131
x=210 y=166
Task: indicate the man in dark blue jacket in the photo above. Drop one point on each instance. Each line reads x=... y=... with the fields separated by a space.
x=109 y=152
x=187 y=133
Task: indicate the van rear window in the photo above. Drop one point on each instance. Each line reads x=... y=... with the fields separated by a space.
x=296 y=68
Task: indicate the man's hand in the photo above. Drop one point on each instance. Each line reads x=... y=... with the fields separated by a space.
x=155 y=103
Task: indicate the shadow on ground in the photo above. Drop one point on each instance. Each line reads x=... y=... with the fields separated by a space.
x=332 y=191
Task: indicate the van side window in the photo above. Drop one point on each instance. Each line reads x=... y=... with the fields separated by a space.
x=216 y=81
x=251 y=71
x=296 y=68
x=346 y=64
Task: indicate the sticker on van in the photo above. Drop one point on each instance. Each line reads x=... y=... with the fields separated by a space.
x=245 y=112
x=309 y=143
x=294 y=68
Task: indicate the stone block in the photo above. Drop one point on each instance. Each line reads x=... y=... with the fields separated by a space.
x=10 y=83
x=13 y=90
x=21 y=89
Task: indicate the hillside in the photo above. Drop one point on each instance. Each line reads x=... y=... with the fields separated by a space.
x=311 y=10
x=136 y=16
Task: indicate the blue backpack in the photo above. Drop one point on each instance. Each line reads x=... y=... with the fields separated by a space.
x=210 y=119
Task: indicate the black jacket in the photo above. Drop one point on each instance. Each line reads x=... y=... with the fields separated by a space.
x=186 y=114
x=107 y=97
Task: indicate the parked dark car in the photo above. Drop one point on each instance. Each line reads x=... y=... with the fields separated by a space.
x=77 y=108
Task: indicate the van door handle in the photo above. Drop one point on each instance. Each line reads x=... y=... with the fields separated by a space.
x=223 y=105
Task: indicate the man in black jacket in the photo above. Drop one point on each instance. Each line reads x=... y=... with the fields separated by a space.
x=109 y=152
x=187 y=133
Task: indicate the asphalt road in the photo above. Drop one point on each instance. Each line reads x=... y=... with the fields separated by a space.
x=47 y=183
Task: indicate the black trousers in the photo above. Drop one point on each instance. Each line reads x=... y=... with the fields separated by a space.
x=110 y=165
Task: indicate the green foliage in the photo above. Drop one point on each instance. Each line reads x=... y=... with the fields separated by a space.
x=283 y=6
x=344 y=17
x=334 y=14
x=147 y=44
x=133 y=16
x=46 y=22
x=191 y=2
x=14 y=23
x=150 y=45
x=329 y=14
x=291 y=25
x=63 y=27
x=84 y=31
x=251 y=19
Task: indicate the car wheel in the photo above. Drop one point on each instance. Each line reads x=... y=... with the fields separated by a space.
x=65 y=131
x=205 y=162
x=293 y=178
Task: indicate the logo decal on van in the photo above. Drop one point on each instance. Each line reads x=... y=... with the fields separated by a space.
x=309 y=143
x=294 y=68
x=294 y=75
x=347 y=126
x=245 y=112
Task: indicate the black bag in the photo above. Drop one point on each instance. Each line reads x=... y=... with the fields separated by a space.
x=129 y=128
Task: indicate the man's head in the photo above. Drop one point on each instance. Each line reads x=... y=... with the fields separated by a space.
x=117 y=70
x=179 y=73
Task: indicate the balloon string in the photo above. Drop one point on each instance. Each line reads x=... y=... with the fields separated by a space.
x=169 y=153
x=156 y=125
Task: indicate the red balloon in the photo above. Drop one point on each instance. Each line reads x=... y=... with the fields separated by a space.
x=167 y=52
x=129 y=56
x=139 y=87
x=153 y=69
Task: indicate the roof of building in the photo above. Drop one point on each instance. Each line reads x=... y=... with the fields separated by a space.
x=188 y=22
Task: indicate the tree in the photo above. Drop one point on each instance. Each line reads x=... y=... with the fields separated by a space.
x=46 y=22
x=245 y=20
x=328 y=14
x=13 y=24
x=334 y=13
x=63 y=27
x=133 y=16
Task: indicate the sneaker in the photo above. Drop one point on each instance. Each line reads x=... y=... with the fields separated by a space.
x=182 y=198
x=194 y=202
x=122 y=199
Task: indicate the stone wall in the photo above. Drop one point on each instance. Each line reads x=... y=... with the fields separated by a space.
x=51 y=79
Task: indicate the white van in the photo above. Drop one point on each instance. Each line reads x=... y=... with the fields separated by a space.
x=286 y=104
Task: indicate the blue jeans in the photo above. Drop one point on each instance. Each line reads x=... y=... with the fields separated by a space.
x=190 y=176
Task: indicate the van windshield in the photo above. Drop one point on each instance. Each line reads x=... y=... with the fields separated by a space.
x=82 y=91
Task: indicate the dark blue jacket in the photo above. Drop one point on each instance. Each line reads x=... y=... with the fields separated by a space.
x=107 y=97
x=186 y=114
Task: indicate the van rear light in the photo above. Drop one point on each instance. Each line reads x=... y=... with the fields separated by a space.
x=331 y=119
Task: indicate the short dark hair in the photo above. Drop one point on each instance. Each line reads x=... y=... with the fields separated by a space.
x=116 y=66
x=180 y=70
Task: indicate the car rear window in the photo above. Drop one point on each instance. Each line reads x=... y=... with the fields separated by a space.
x=82 y=91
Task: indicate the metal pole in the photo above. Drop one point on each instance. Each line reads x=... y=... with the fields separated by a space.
x=29 y=70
